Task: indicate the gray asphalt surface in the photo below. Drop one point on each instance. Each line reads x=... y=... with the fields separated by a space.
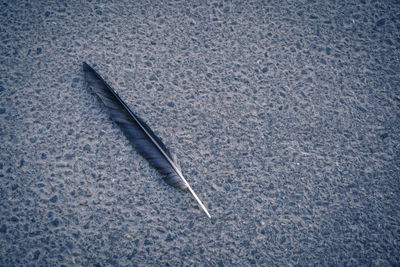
x=284 y=115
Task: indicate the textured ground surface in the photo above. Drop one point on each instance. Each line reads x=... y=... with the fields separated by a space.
x=285 y=117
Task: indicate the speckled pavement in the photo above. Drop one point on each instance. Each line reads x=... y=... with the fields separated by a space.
x=285 y=117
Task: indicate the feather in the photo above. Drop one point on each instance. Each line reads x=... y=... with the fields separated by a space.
x=139 y=133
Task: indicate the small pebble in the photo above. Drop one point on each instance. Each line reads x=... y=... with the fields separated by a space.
x=69 y=245
x=54 y=199
x=128 y=236
x=87 y=148
x=55 y=222
x=88 y=193
x=380 y=22
x=169 y=238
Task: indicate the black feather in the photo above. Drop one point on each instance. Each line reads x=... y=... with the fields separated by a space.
x=139 y=133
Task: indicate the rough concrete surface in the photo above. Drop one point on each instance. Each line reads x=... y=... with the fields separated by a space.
x=285 y=117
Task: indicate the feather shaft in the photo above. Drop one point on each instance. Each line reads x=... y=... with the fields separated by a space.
x=140 y=134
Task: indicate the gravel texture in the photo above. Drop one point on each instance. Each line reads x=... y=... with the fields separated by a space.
x=285 y=117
